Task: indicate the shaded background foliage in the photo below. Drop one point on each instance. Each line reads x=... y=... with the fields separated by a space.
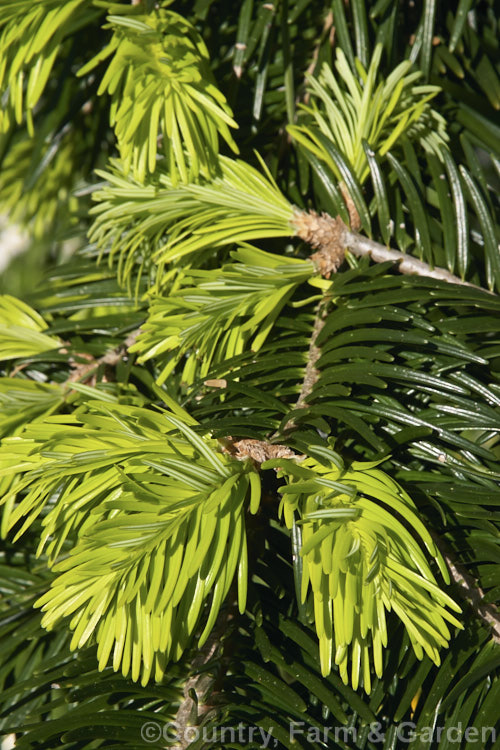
x=408 y=373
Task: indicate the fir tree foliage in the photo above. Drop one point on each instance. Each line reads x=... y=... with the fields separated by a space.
x=161 y=86
x=241 y=479
x=159 y=528
x=361 y=113
x=356 y=561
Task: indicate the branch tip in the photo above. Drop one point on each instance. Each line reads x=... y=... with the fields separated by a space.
x=331 y=238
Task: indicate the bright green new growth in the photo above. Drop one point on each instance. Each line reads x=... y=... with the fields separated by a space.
x=153 y=515
x=144 y=523
x=23 y=401
x=32 y=35
x=43 y=146
x=175 y=222
x=354 y=114
x=152 y=518
x=21 y=332
x=359 y=558
x=216 y=315
x=169 y=220
x=162 y=90
x=361 y=553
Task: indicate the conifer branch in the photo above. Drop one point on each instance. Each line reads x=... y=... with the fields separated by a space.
x=333 y=237
x=261 y=450
x=407 y=264
x=311 y=374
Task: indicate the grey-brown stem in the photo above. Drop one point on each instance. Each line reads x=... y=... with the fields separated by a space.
x=361 y=246
x=332 y=237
